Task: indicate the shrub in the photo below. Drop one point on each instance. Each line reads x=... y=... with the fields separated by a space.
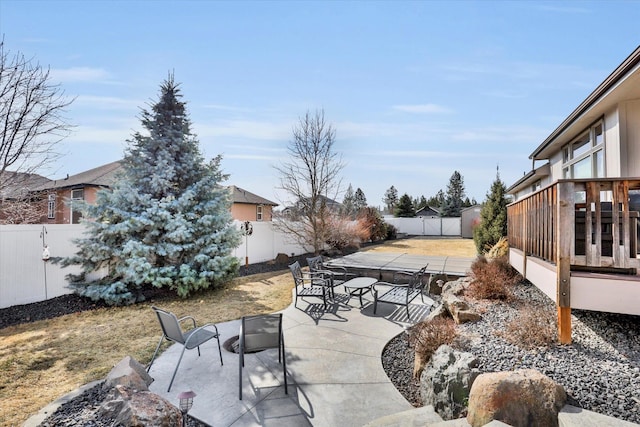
x=344 y=233
x=370 y=219
x=493 y=280
x=425 y=337
x=533 y=327
x=499 y=250
x=392 y=232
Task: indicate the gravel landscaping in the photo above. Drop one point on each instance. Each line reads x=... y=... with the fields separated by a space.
x=600 y=370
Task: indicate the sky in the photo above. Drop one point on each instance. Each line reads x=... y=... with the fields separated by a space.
x=414 y=90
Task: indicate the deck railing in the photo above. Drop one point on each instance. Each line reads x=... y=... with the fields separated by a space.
x=593 y=221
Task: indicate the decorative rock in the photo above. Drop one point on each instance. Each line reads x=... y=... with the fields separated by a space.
x=459 y=309
x=436 y=282
x=438 y=311
x=139 y=409
x=130 y=373
x=282 y=258
x=446 y=381
x=518 y=398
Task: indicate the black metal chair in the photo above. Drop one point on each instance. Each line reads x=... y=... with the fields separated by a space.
x=258 y=333
x=336 y=275
x=191 y=339
x=308 y=284
x=405 y=288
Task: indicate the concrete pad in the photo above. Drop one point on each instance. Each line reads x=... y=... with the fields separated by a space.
x=334 y=370
x=570 y=416
x=416 y=417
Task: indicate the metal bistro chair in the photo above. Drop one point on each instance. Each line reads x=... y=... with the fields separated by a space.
x=191 y=339
x=259 y=333
x=309 y=284
x=336 y=275
x=405 y=288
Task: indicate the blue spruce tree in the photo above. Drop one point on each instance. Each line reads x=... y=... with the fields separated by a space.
x=166 y=222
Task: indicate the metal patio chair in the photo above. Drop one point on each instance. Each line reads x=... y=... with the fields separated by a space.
x=308 y=284
x=194 y=338
x=405 y=288
x=336 y=275
x=261 y=332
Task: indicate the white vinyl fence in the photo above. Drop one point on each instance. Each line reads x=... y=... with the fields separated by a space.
x=26 y=278
x=426 y=226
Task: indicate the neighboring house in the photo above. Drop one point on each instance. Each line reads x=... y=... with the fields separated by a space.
x=428 y=212
x=82 y=186
x=55 y=196
x=250 y=207
x=293 y=211
x=20 y=200
x=573 y=227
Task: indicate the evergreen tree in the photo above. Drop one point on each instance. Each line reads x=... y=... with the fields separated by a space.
x=452 y=206
x=348 y=203
x=436 y=201
x=166 y=222
x=391 y=199
x=405 y=207
x=493 y=216
x=360 y=201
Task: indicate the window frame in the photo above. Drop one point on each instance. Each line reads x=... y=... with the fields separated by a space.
x=259 y=212
x=51 y=206
x=594 y=152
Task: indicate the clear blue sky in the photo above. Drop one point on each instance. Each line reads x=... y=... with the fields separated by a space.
x=414 y=90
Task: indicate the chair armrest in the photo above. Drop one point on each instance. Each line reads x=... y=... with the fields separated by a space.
x=391 y=285
x=188 y=318
x=194 y=332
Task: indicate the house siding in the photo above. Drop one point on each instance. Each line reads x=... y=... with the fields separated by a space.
x=248 y=212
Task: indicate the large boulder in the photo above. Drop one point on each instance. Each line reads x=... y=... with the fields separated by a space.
x=130 y=373
x=459 y=309
x=446 y=381
x=131 y=408
x=523 y=397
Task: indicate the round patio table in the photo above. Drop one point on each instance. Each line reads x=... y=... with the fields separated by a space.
x=358 y=286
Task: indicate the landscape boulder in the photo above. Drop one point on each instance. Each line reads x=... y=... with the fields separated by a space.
x=523 y=397
x=130 y=373
x=436 y=282
x=446 y=381
x=282 y=258
x=132 y=408
x=459 y=309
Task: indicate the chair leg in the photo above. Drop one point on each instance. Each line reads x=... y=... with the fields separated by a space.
x=240 y=365
x=375 y=301
x=176 y=370
x=155 y=353
x=220 y=350
x=284 y=366
x=408 y=315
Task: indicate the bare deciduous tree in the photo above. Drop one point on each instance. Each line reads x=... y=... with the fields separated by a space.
x=311 y=177
x=31 y=116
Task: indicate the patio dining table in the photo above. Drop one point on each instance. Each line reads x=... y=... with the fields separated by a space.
x=358 y=286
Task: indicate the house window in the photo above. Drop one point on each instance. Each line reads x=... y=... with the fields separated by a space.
x=584 y=157
x=259 y=213
x=76 y=215
x=51 y=207
x=536 y=185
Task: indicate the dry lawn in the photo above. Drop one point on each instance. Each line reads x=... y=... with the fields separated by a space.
x=44 y=360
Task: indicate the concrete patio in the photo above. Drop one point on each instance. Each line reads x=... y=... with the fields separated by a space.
x=334 y=369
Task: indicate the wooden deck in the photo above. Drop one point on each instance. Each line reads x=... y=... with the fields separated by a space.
x=382 y=264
